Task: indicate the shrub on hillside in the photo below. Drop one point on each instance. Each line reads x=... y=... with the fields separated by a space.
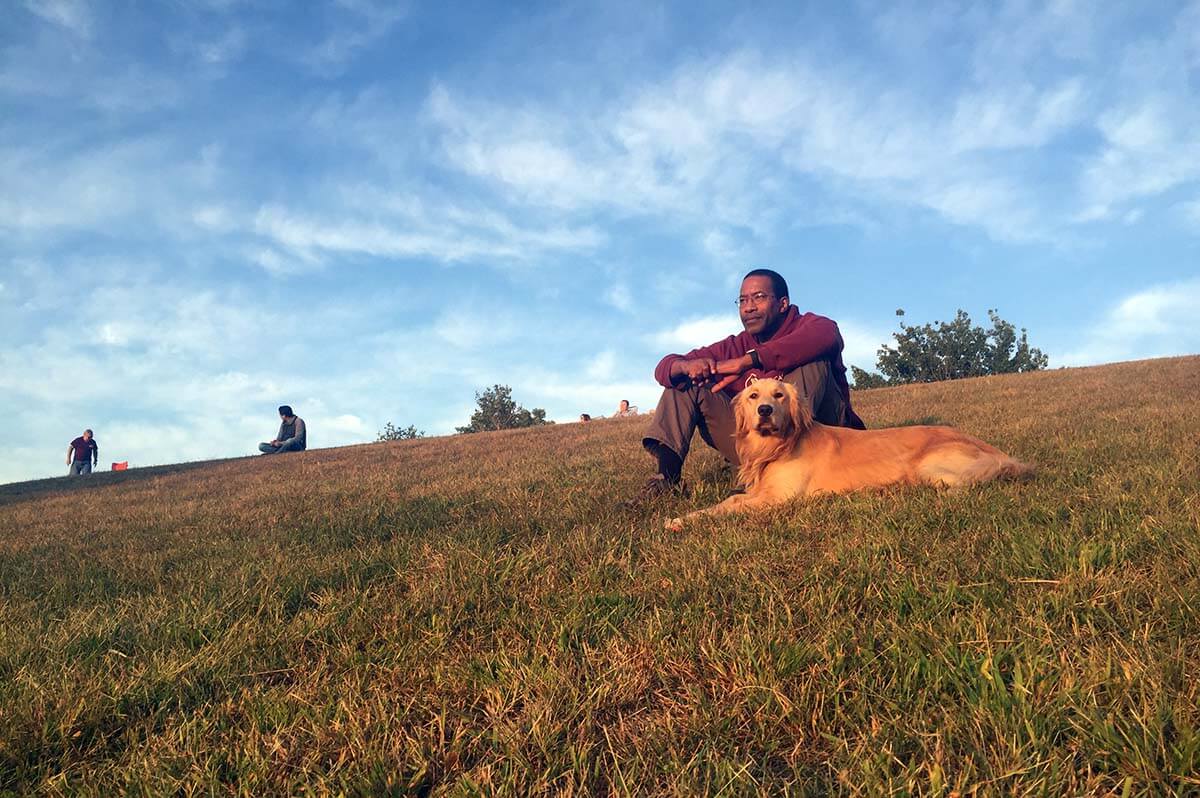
x=950 y=351
x=393 y=433
x=497 y=410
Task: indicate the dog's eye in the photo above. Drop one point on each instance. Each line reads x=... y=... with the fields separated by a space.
x=779 y=395
x=753 y=396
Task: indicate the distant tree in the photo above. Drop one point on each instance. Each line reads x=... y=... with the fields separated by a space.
x=393 y=433
x=497 y=410
x=950 y=351
x=867 y=379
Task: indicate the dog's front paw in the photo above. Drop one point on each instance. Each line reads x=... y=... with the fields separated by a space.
x=674 y=525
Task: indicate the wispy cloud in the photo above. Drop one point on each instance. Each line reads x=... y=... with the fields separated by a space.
x=74 y=15
x=444 y=233
x=352 y=26
x=619 y=296
x=689 y=334
x=1156 y=321
x=699 y=144
x=861 y=343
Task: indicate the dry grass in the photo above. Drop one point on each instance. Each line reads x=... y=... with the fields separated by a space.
x=478 y=614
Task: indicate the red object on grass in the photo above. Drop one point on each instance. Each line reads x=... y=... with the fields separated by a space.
x=120 y=466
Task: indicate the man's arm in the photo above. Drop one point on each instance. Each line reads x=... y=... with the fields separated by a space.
x=730 y=370
x=70 y=451
x=814 y=338
x=697 y=365
x=95 y=452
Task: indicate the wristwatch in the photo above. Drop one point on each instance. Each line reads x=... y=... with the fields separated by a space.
x=754 y=359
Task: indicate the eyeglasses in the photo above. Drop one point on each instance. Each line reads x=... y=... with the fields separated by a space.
x=757 y=298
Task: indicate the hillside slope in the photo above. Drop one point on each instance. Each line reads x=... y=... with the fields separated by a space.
x=480 y=613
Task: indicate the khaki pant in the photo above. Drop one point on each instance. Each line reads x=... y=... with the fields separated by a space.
x=681 y=412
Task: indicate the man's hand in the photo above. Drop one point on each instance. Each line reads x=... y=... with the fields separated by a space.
x=730 y=371
x=274 y=443
x=700 y=369
x=734 y=367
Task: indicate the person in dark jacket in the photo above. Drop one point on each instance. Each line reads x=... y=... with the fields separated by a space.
x=292 y=437
x=86 y=452
x=777 y=341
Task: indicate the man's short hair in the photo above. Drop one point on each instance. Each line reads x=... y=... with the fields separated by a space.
x=778 y=284
x=88 y=431
x=285 y=410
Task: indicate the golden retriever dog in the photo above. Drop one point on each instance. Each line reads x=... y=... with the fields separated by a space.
x=784 y=453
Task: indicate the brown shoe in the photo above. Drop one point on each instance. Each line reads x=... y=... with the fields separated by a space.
x=656 y=487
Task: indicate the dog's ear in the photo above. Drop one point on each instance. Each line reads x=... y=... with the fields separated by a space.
x=741 y=418
x=799 y=413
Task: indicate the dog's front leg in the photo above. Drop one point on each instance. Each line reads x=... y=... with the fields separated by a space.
x=737 y=503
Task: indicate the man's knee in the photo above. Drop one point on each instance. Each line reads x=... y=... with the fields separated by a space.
x=812 y=380
x=815 y=381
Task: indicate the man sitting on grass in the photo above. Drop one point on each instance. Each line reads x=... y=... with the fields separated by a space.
x=778 y=341
x=292 y=435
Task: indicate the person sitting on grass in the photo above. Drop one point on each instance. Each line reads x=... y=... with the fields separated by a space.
x=624 y=410
x=86 y=452
x=778 y=341
x=292 y=435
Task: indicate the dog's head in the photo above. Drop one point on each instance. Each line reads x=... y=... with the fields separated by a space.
x=771 y=416
x=768 y=408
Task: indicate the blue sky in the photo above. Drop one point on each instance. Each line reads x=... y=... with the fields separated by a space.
x=372 y=209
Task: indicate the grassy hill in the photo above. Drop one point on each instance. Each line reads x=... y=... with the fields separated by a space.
x=478 y=614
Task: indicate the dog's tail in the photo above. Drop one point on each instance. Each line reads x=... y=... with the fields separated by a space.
x=957 y=466
x=1015 y=469
x=986 y=468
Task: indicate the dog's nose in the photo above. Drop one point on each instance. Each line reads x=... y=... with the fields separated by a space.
x=765 y=410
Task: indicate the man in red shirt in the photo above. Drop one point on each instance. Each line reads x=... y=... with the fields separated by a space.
x=86 y=452
x=778 y=341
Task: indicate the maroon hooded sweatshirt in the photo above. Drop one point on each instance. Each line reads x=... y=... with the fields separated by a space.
x=800 y=339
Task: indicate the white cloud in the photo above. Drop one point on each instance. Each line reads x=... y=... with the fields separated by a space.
x=861 y=343
x=1154 y=322
x=619 y=296
x=74 y=15
x=228 y=47
x=346 y=423
x=1190 y=211
x=354 y=26
x=284 y=265
x=216 y=218
x=709 y=143
x=602 y=366
x=472 y=331
x=446 y=234
x=696 y=332
x=722 y=247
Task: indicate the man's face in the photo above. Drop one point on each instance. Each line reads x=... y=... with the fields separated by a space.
x=87 y=435
x=624 y=405
x=760 y=309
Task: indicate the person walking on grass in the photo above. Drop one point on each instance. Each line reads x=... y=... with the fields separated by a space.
x=777 y=341
x=85 y=452
x=292 y=437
